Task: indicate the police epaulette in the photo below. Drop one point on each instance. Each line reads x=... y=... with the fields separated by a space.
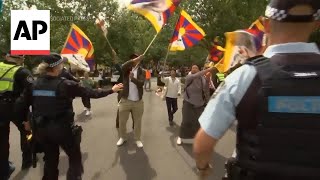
x=256 y=60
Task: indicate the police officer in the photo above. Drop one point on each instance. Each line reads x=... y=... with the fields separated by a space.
x=13 y=80
x=67 y=75
x=53 y=117
x=275 y=99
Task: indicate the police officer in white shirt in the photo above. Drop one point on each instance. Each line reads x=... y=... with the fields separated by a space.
x=275 y=99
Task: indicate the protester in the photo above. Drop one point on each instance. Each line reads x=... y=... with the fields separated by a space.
x=196 y=96
x=87 y=83
x=100 y=78
x=131 y=99
x=148 y=80
x=173 y=86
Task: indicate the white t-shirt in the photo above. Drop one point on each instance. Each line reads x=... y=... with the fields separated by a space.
x=133 y=90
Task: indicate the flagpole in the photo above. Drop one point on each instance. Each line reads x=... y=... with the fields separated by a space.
x=104 y=34
x=154 y=38
x=165 y=60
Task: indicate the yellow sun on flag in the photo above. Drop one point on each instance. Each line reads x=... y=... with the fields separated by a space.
x=83 y=52
x=182 y=31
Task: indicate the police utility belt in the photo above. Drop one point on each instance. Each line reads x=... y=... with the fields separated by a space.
x=65 y=118
x=6 y=100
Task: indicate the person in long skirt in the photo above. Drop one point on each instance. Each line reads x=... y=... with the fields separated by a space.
x=196 y=96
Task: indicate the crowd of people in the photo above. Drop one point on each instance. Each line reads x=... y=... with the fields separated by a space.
x=273 y=95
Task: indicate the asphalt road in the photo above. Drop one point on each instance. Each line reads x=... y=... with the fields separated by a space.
x=160 y=159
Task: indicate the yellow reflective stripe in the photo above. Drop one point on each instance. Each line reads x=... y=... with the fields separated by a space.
x=7 y=79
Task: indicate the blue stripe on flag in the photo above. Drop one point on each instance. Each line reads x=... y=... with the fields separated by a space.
x=74 y=37
x=44 y=93
x=294 y=104
x=68 y=46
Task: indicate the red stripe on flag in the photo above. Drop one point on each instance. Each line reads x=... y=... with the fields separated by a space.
x=30 y=52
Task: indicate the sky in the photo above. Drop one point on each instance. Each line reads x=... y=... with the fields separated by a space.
x=124 y=2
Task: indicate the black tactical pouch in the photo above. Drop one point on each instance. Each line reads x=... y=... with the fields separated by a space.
x=76 y=132
x=233 y=171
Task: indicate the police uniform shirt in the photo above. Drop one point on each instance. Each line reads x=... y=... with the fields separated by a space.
x=220 y=112
x=22 y=79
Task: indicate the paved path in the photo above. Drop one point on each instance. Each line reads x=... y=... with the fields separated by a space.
x=160 y=159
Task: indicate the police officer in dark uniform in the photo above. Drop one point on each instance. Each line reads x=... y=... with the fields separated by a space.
x=276 y=100
x=53 y=117
x=67 y=75
x=13 y=80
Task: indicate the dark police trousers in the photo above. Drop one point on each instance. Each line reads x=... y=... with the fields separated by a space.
x=52 y=136
x=7 y=114
x=4 y=149
x=25 y=146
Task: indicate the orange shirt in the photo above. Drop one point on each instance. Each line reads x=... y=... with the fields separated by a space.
x=148 y=74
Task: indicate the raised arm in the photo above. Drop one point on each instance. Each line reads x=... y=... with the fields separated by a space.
x=75 y=90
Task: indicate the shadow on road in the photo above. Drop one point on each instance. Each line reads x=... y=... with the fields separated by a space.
x=217 y=159
x=21 y=175
x=136 y=164
x=174 y=130
x=133 y=160
x=82 y=117
x=63 y=164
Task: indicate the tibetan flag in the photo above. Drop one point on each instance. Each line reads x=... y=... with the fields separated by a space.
x=156 y=11
x=216 y=53
x=78 y=43
x=257 y=30
x=91 y=63
x=236 y=43
x=186 y=34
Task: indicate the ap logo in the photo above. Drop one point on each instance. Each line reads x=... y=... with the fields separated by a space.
x=30 y=32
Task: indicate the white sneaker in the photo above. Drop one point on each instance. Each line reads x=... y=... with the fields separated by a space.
x=179 y=141
x=139 y=144
x=121 y=142
x=88 y=113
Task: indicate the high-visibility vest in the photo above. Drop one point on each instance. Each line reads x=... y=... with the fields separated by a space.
x=220 y=77
x=7 y=72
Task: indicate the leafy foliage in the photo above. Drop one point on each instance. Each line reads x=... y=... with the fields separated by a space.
x=130 y=33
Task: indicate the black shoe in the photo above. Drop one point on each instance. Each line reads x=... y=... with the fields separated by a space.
x=171 y=123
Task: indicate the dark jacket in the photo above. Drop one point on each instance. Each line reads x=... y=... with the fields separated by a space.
x=139 y=81
x=67 y=75
x=64 y=90
x=118 y=68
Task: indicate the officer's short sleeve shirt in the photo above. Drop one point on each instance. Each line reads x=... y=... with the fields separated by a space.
x=220 y=112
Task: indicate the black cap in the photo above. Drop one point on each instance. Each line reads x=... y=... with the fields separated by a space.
x=15 y=56
x=53 y=59
x=279 y=10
